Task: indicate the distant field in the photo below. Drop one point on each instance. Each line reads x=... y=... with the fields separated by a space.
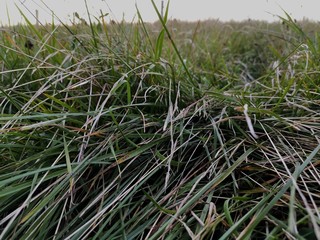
x=171 y=130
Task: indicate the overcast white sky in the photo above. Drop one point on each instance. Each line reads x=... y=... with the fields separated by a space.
x=191 y=10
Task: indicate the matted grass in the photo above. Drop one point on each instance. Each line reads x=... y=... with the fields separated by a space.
x=117 y=131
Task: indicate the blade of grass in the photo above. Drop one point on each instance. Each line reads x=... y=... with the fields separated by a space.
x=265 y=207
x=201 y=193
x=191 y=79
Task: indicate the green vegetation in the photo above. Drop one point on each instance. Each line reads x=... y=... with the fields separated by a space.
x=170 y=130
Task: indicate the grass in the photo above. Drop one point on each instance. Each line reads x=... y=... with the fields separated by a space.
x=169 y=130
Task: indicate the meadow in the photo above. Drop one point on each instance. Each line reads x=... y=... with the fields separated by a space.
x=165 y=130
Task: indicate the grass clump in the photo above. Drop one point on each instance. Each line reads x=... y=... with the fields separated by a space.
x=117 y=131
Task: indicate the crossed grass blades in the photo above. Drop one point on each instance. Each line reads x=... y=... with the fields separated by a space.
x=169 y=130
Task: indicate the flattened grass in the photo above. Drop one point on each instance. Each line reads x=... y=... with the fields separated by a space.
x=106 y=136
